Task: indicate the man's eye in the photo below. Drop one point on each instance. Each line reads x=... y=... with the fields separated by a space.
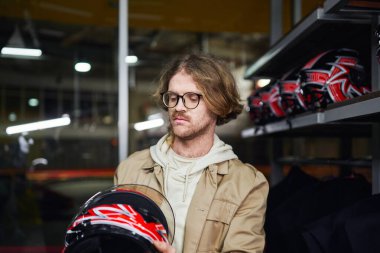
x=192 y=97
x=173 y=98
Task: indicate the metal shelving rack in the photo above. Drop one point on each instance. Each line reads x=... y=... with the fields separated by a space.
x=364 y=110
x=337 y=24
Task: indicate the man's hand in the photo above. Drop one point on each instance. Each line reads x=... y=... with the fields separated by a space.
x=164 y=247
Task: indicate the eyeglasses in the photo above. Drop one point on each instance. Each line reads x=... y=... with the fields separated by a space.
x=190 y=99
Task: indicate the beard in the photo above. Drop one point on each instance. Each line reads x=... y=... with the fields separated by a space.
x=192 y=129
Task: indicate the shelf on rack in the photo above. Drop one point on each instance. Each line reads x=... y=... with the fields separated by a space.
x=342 y=6
x=363 y=163
x=356 y=111
x=316 y=33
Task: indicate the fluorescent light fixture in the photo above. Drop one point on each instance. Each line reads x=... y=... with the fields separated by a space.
x=155 y=116
x=15 y=51
x=131 y=59
x=262 y=82
x=82 y=66
x=64 y=121
x=140 y=126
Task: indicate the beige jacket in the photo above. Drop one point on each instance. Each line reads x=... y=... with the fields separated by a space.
x=227 y=211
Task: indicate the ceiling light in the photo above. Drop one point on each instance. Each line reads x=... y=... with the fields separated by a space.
x=33 y=102
x=82 y=66
x=131 y=59
x=12 y=116
x=140 y=126
x=64 y=121
x=17 y=51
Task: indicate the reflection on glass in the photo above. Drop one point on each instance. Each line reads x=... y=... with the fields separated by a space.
x=48 y=164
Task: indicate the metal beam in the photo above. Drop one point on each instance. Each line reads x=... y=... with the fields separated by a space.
x=375 y=75
x=123 y=80
x=275 y=21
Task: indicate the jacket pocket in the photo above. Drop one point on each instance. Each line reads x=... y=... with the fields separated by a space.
x=216 y=226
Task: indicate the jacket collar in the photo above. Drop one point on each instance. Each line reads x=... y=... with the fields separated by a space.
x=221 y=168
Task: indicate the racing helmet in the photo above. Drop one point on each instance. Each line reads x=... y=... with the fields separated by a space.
x=274 y=102
x=333 y=76
x=123 y=218
x=292 y=100
x=255 y=107
x=259 y=105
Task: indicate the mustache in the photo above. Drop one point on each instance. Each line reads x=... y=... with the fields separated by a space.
x=179 y=114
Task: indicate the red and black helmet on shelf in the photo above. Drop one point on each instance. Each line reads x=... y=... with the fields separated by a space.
x=292 y=100
x=255 y=107
x=333 y=76
x=124 y=218
x=264 y=104
x=273 y=101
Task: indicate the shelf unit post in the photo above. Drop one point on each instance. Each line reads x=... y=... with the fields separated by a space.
x=277 y=173
x=275 y=21
x=375 y=74
x=345 y=155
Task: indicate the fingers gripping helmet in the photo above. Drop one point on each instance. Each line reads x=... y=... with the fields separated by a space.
x=332 y=76
x=125 y=218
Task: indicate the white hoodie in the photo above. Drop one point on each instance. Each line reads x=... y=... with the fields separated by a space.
x=180 y=183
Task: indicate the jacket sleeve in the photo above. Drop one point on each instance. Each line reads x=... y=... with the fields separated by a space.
x=246 y=231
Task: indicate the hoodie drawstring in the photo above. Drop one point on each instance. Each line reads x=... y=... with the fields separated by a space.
x=186 y=184
x=166 y=173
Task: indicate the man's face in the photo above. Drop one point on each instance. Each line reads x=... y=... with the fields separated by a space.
x=189 y=123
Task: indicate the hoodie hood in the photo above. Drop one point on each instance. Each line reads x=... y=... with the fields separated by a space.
x=219 y=152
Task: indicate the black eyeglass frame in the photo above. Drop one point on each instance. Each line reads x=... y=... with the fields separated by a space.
x=182 y=98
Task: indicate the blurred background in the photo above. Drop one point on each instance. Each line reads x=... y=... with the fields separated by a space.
x=46 y=175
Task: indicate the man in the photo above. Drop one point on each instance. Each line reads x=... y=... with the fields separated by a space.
x=219 y=203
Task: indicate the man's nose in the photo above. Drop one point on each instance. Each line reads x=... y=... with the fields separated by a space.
x=180 y=105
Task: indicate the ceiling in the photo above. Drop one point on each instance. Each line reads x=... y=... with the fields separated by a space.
x=155 y=26
x=158 y=29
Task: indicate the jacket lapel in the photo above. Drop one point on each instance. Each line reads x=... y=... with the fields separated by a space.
x=156 y=180
x=159 y=176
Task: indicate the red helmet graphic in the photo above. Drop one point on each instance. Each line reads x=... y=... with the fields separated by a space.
x=124 y=218
x=273 y=101
x=332 y=76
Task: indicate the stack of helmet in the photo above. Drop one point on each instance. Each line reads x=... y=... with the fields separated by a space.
x=330 y=77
